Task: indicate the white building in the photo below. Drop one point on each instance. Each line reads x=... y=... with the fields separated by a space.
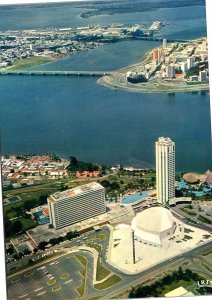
x=170 y=71
x=153 y=225
x=202 y=76
x=164 y=43
x=77 y=204
x=193 y=78
x=190 y=62
x=184 y=67
x=165 y=169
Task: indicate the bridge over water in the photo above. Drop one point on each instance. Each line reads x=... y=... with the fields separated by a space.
x=55 y=73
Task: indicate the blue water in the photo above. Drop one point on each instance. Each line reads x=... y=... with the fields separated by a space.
x=42 y=218
x=182 y=185
x=134 y=198
x=76 y=116
x=38 y=213
x=43 y=221
x=188 y=22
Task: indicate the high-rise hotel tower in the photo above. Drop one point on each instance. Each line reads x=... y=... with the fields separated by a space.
x=165 y=169
x=77 y=204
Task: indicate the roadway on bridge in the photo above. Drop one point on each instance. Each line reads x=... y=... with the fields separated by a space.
x=54 y=73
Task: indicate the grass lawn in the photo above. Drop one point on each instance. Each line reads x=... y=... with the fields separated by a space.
x=83 y=261
x=101 y=237
x=30 y=62
x=108 y=282
x=56 y=288
x=27 y=223
x=207 y=253
x=207 y=267
x=64 y=276
x=51 y=282
x=26 y=194
x=101 y=272
x=191 y=213
x=32 y=192
x=204 y=219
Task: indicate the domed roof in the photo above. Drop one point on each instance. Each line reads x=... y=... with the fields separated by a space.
x=153 y=220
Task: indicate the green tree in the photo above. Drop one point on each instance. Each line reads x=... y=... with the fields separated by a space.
x=29 y=204
x=54 y=241
x=16 y=227
x=73 y=161
x=167 y=280
x=63 y=187
x=42 y=245
x=60 y=239
x=72 y=234
x=103 y=169
x=90 y=167
x=180 y=273
x=42 y=199
x=105 y=183
x=30 y=261
x=27 y=251
x=114 y=185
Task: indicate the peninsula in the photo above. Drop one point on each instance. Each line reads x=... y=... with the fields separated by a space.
x=28 y=48
x=171 y=68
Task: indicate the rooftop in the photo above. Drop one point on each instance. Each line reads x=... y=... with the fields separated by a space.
x=93 y=186
x=164 y=141
x=179 y=292
x=162 y=217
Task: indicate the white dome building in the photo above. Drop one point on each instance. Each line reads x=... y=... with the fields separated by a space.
x=152 y=225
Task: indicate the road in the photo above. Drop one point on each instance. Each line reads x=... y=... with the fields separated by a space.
x=178 y=213
x=127 y=280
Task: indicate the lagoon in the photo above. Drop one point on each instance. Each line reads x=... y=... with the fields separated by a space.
x=76 y=116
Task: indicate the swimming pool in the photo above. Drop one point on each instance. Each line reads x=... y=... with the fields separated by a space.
x=133 y=198
x=38 y=213
x=42 y=219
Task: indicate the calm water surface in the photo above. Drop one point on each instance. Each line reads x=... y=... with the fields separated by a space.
x=76 y=116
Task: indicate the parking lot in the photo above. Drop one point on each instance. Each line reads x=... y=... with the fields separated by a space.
x=60 y=278
x=203 y=208
x=57 y=279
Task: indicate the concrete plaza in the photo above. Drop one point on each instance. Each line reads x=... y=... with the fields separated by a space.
x=120 y=253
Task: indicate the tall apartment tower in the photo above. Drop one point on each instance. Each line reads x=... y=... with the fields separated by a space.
x=190 y=62
x=165 y=169
x=170 y=71
x=156 y=55
x=164 y=43
x=77 y=204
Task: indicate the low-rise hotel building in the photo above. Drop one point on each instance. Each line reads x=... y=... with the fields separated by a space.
x=77 y=204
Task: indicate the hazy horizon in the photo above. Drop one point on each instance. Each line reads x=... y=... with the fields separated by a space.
x=8 y=2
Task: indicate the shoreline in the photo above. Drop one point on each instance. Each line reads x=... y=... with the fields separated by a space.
x=151 y=89
x=154 y=86
x=31 y=62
